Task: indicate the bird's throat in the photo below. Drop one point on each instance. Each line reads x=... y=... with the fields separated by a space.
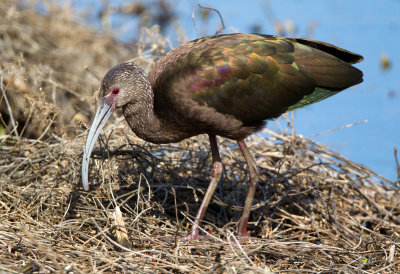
x=149 y=126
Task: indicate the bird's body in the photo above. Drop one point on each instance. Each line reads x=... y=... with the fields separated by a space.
x=225 y=85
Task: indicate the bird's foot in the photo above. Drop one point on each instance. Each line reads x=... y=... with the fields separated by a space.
x=242 y=238
x=194 y=235
x=242 y=235
x=191 y=237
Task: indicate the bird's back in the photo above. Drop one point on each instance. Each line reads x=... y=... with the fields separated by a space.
x=249 y=77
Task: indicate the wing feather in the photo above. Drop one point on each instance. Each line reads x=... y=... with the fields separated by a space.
x=254 y=77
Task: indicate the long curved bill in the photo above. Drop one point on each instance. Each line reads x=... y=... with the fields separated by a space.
x=103 y=113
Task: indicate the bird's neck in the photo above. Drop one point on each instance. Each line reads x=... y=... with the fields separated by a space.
x=147 y=124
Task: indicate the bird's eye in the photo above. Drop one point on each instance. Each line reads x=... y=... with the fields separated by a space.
x=115 y=91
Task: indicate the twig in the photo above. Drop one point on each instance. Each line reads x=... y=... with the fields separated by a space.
x=9 y=109
x=92 y=73
x=397 y=165
x=338 y=128
x=219 y=30
x=232 y=236
x=27 y=120
x=135 y=252
x=194 y=22
x=390 y=266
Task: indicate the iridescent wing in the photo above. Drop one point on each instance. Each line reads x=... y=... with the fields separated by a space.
x=256 y=77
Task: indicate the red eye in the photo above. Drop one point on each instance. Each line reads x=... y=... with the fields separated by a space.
x=115 y=91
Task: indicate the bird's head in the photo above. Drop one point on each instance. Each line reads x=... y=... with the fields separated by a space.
x=121 y=85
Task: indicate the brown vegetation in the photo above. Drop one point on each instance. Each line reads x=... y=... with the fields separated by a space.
x=314 y=211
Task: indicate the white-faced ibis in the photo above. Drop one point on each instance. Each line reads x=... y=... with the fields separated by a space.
x=225 y=85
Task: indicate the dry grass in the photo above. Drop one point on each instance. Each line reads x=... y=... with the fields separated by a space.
x=314 y=211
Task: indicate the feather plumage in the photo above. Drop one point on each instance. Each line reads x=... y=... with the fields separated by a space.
x=250 y=77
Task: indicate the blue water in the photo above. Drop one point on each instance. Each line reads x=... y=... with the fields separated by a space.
x=368 y=27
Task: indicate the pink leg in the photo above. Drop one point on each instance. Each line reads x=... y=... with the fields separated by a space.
x=215 y=176
x=253 y=176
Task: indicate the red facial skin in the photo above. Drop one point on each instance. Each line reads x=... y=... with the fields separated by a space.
x=111 y=98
